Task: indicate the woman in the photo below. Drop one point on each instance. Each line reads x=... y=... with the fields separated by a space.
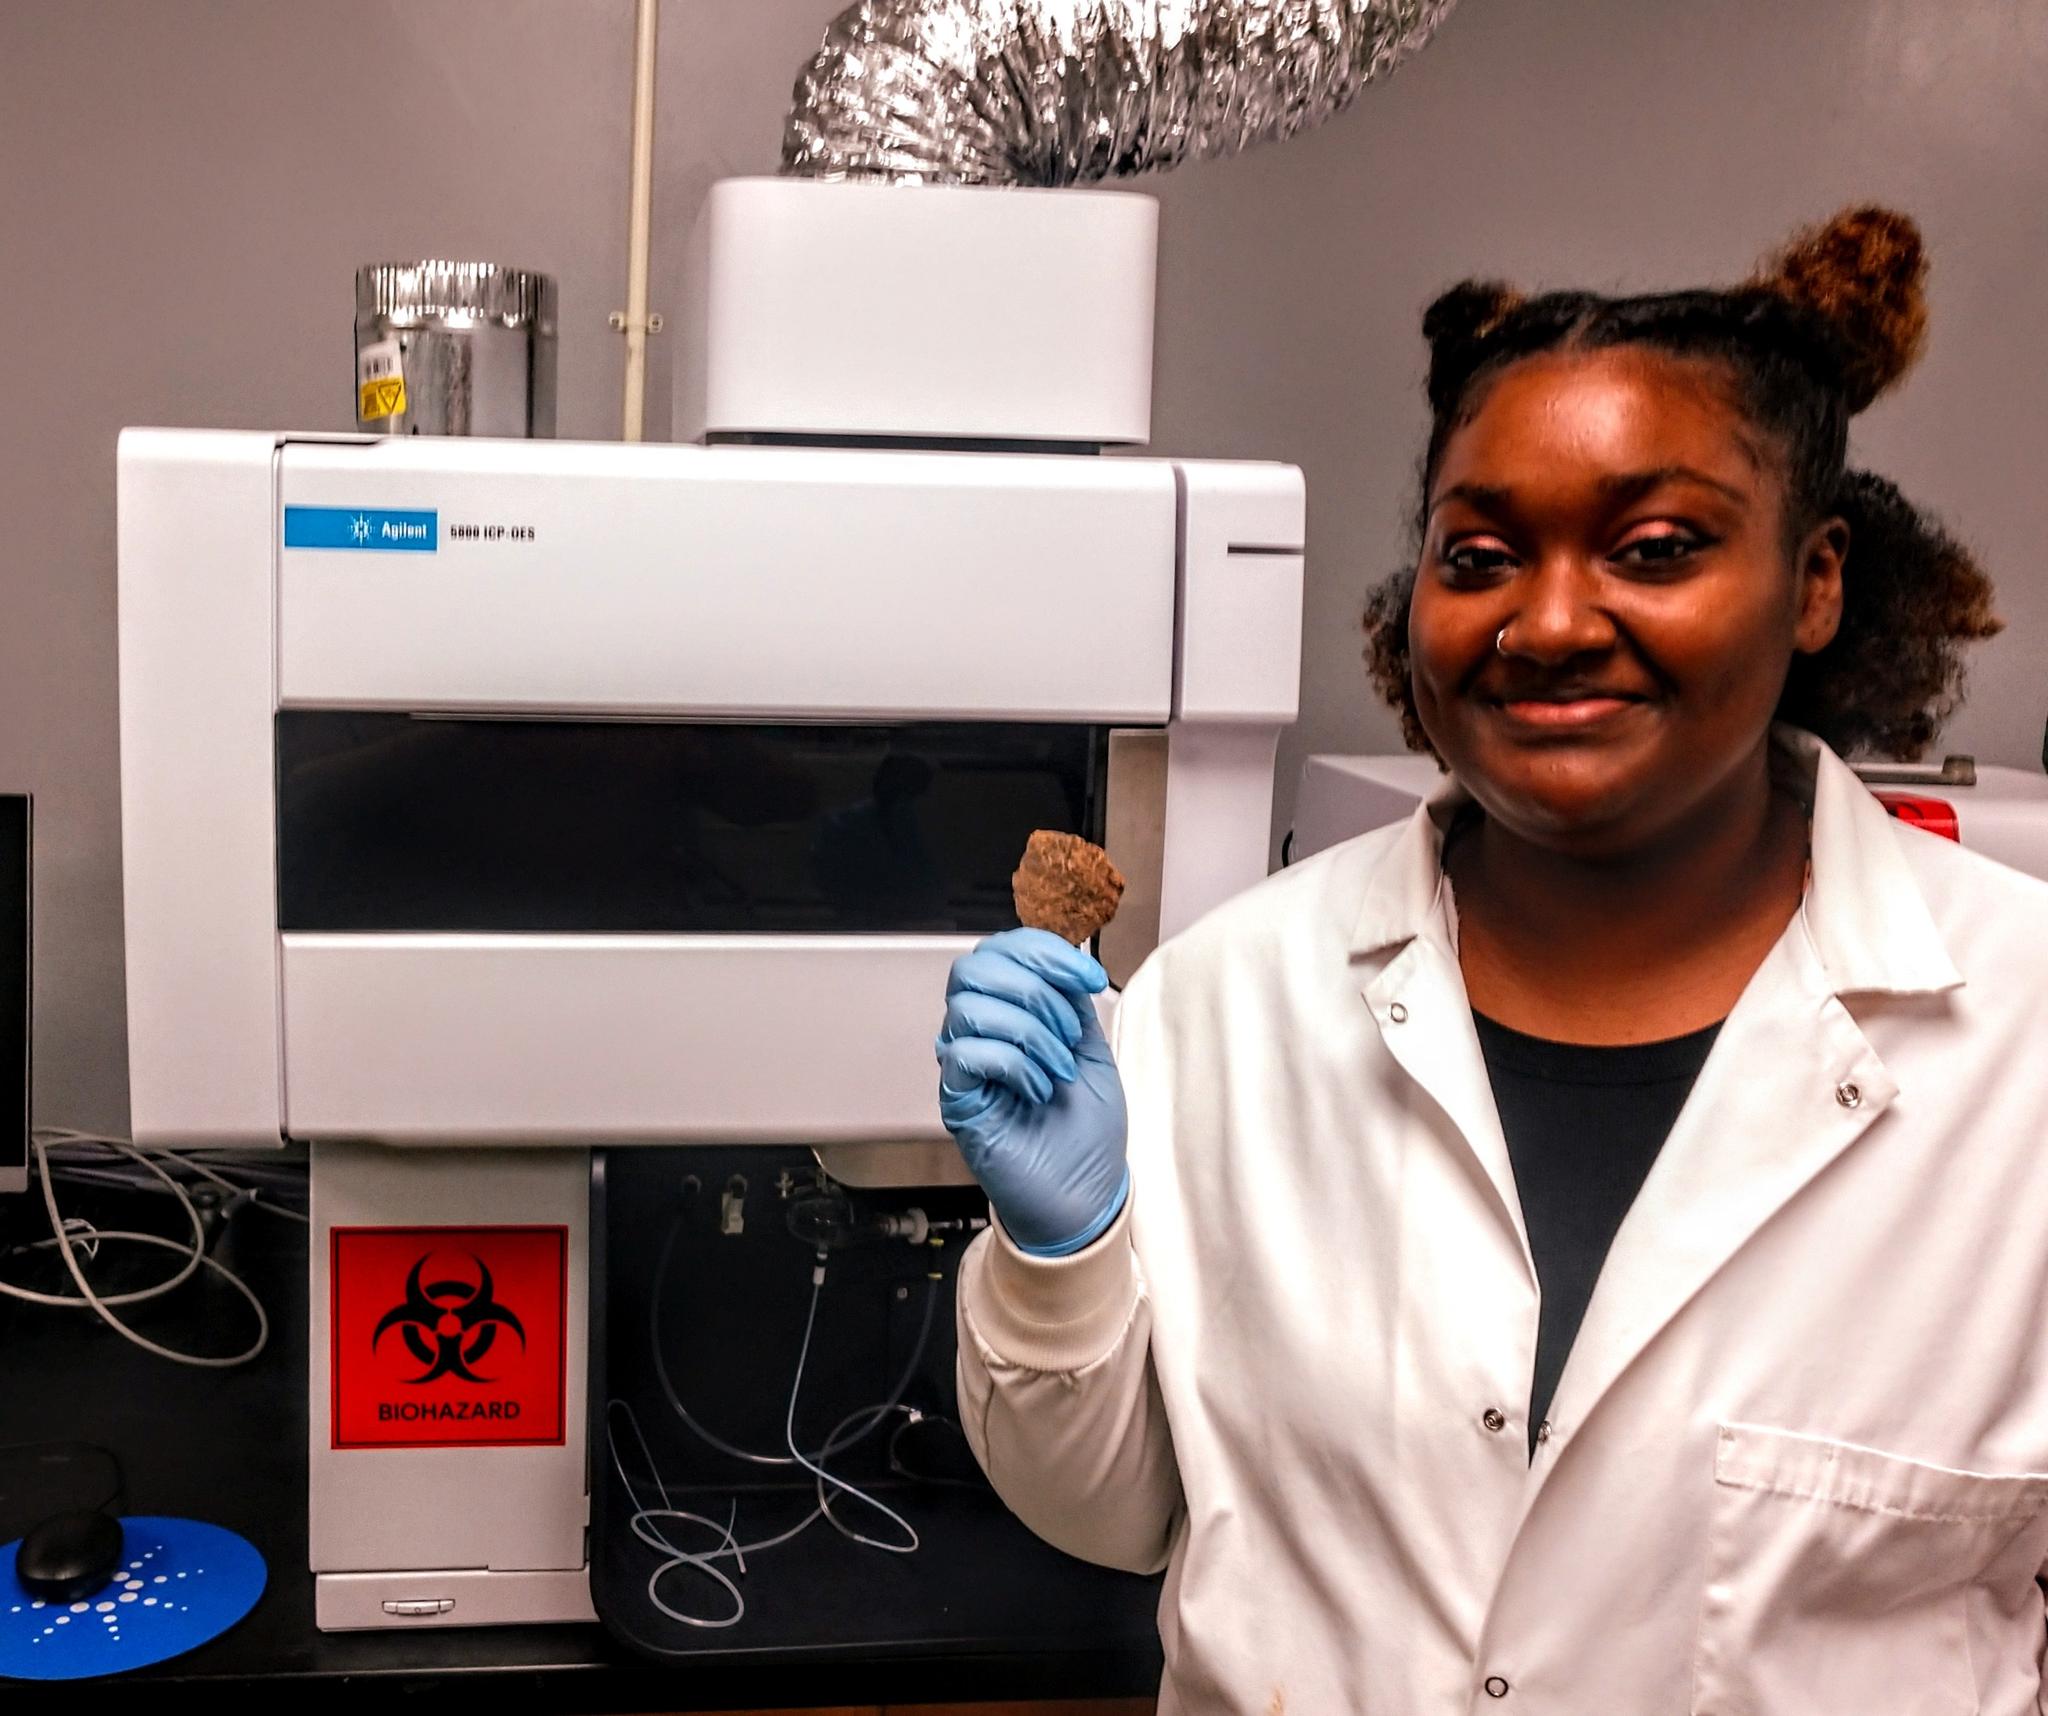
x=1653 y=993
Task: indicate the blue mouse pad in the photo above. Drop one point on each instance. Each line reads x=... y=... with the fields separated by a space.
x=181 y=1583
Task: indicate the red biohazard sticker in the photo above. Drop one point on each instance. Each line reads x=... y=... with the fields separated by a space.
x=1935 y=815
x=448 y=1337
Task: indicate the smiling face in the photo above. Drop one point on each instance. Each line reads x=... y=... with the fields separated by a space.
x=1605 y=608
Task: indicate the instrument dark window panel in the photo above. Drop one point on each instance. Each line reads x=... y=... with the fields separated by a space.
x=403 y=823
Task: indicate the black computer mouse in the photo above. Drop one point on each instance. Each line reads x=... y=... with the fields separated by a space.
x=69 y=1556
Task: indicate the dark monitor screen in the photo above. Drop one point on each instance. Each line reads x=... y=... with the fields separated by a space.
x=14 y=991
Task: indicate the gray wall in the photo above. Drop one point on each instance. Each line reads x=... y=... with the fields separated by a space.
x=187 y=185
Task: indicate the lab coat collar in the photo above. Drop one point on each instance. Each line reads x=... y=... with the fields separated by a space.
x=1864 y=912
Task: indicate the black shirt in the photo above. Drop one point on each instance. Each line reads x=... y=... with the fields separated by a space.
x=1583 y=1124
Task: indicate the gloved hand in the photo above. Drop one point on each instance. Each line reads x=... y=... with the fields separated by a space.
x=1029 y=1091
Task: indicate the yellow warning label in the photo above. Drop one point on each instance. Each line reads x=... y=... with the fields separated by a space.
x=383 y=397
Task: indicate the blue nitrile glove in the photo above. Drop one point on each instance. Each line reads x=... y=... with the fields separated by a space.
x=1029 y=1091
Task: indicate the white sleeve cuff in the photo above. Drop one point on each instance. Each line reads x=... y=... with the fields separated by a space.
x=1051 y=1313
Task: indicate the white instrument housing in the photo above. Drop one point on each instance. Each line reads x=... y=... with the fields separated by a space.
x=267 y=575
x=501 y=799
x=971 y=312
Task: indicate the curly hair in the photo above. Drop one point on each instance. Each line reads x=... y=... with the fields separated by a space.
x=1824 y=327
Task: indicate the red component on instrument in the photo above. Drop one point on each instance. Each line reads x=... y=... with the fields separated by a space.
x=1935 y=815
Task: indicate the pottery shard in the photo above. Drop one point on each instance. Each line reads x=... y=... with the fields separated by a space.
x=1067 y=886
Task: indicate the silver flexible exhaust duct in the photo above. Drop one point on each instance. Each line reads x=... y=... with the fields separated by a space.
x=1060 y=92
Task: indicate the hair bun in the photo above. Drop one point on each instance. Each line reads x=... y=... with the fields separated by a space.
x=1470 y=310
x=1455 y=325
x=1864 y=274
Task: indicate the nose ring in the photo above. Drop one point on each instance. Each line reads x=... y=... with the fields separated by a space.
x=1500 y=641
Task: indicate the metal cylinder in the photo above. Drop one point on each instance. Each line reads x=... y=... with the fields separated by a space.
x=455 y=348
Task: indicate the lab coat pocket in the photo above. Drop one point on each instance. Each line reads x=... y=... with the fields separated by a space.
x=1838 y=1578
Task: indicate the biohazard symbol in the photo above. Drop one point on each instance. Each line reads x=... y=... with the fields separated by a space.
x=448 y=1325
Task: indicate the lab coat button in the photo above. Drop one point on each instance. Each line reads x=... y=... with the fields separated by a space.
x=1493 y=1418
x=1398 y=1013
x=1543 y=1431
x=1496 y=1687
x=1849 y=1095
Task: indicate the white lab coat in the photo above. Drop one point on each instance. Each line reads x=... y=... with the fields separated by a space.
x=1797 y=1464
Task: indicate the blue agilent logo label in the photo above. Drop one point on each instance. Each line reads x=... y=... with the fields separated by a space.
x=362 y=529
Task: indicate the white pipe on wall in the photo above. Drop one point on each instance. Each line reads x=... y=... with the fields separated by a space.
x=635 y=322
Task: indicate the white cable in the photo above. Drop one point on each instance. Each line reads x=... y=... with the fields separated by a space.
x=741 y=1551
x=645 y=1520
x=221 y=1269
x=668 y=1507
x=643 y=1530
x=195 y=1255
x=62 y=1240
x=71 y=1135
x=252 y=1194
x=834 y=1443
x=697 y=1563
x=824 y=1477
